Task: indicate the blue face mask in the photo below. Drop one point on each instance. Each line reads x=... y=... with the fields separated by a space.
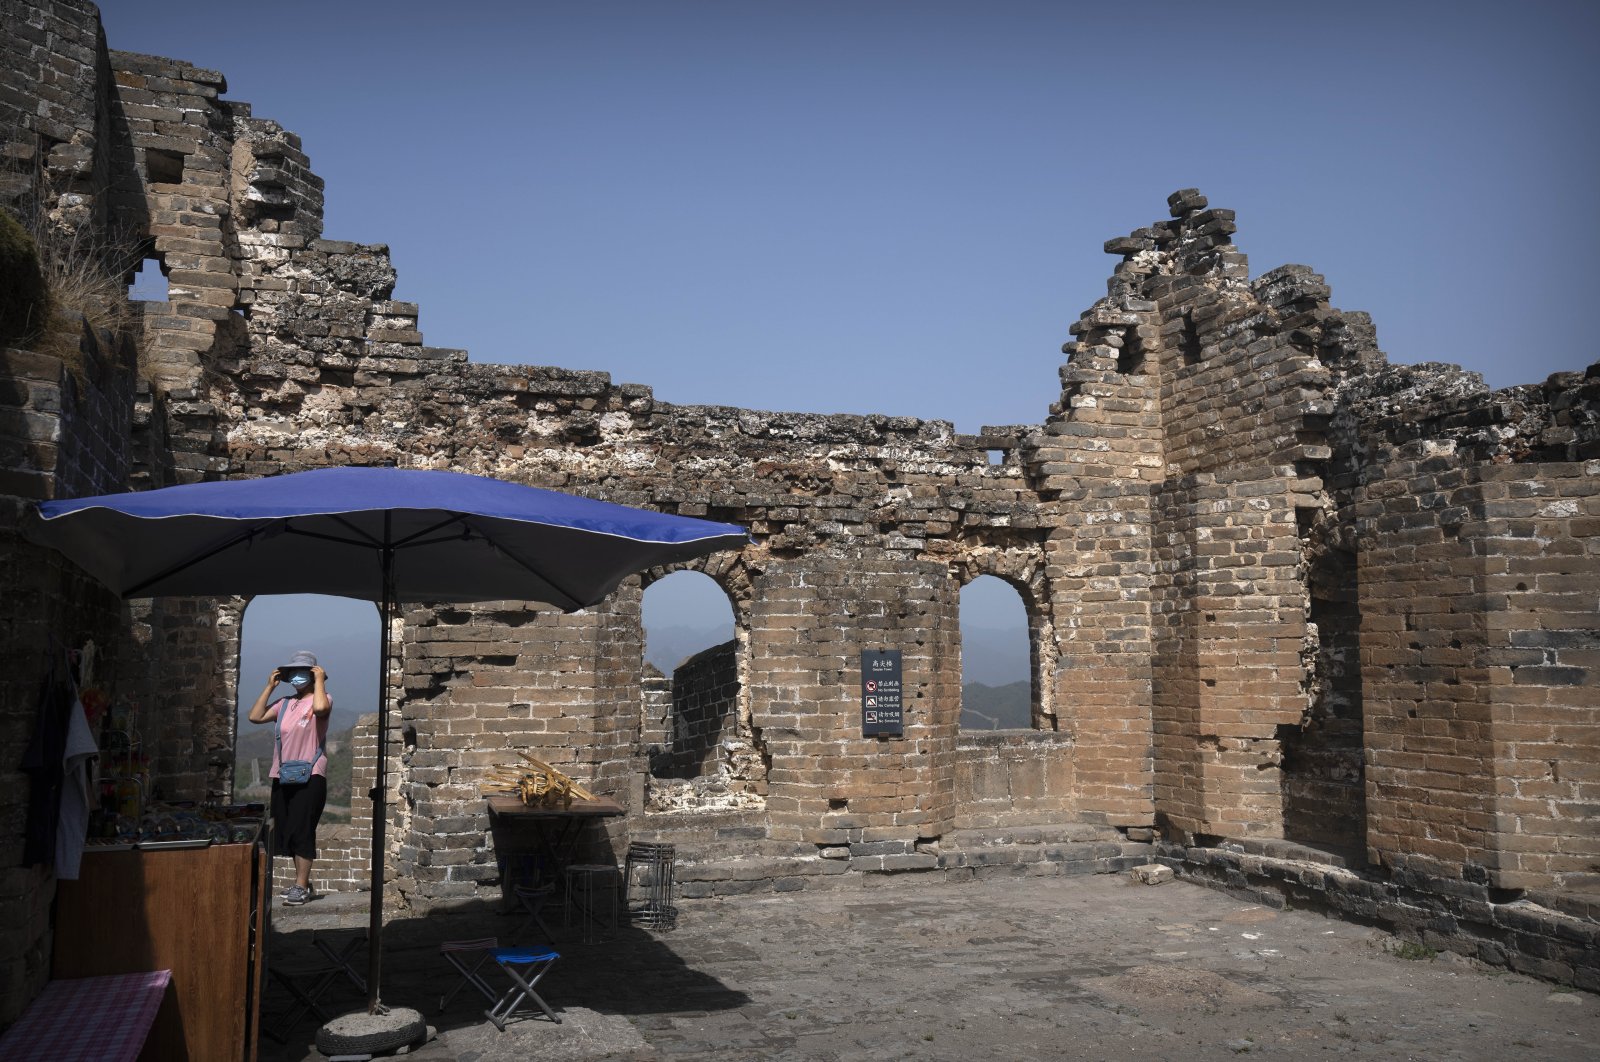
x=300 y=680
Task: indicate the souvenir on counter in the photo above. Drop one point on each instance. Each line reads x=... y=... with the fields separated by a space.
x=181 y=825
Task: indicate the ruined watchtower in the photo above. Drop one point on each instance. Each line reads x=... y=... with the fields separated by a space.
x=1290 y=606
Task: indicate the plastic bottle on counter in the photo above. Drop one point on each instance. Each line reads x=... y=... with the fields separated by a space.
x=130 y=798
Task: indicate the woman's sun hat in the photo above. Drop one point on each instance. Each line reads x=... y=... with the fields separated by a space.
x=302 y=659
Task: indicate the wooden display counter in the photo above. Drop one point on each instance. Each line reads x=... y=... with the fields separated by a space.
x=196 y=911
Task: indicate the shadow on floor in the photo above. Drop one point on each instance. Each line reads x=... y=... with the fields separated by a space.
x=629 y=973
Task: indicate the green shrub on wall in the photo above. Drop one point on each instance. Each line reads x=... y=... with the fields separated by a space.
x=24 y=297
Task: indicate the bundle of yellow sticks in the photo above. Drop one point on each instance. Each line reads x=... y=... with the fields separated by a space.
x=537 y=783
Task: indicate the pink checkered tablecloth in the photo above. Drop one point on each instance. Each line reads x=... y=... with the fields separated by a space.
x=88 y=1019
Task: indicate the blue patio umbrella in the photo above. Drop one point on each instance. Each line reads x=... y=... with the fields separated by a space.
x=377 y=534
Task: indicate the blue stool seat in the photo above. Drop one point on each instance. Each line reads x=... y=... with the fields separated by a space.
x=524 y=966
x=523 y=956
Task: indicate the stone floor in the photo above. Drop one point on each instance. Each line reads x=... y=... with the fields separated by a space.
x=1014 y=968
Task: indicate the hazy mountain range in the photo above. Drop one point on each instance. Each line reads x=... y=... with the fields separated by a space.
x=1005 y=707
x=667 y=647
x=992 y=657
x=350 y=658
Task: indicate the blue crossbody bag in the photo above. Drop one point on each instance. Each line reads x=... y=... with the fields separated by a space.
x=292 y=772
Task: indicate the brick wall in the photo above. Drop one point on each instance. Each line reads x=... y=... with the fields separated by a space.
x=64 y=428
x=61 y=434
x=484 y=682
x=704 y=709
x=1011 y=778
x=1230 y=654
x=1323 y=771
x=1422 y=644
x=53 y=114
x=173 y=192
x=1210 y=583
x=655 y=725
x=810 y=620
x=1098 y=599
x=1545 y=689
x=1479 y=594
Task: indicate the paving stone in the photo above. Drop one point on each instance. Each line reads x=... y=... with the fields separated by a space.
x=1050 y=967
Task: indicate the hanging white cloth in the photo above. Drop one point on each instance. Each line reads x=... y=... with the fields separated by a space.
x=77 y=787
x=88 y=656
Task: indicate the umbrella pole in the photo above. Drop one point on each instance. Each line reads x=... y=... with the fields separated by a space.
x=379 y=794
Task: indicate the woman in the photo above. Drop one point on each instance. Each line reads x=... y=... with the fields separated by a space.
x=301 y=725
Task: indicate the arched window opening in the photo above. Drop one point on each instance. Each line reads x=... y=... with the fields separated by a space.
x=344 y=636
x=691 y=682
x=996 y=675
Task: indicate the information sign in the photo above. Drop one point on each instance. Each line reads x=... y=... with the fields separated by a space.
x=881 y=709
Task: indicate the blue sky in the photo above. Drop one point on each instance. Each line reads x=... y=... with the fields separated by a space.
x=899 y=207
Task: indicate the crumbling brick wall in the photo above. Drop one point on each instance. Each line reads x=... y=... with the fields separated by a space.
x=54 y=113
x=1174 y=363
x=482 y=682
x=704 y=709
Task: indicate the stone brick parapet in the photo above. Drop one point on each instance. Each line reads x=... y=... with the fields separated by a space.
x=1551 y=936
x=1015 y=778
x=964 y=855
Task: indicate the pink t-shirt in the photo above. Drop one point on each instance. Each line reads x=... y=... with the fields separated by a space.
x=300 y=737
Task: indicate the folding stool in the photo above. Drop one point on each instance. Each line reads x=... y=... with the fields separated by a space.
x=343 y=960
x=318 y=979
x=525 y=966
x=458 y=954
x=533 y=900
x=303 y=1002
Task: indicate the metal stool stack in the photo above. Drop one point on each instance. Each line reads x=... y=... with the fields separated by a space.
x=648 y=870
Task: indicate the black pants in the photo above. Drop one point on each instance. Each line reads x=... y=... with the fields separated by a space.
x=296 y=810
